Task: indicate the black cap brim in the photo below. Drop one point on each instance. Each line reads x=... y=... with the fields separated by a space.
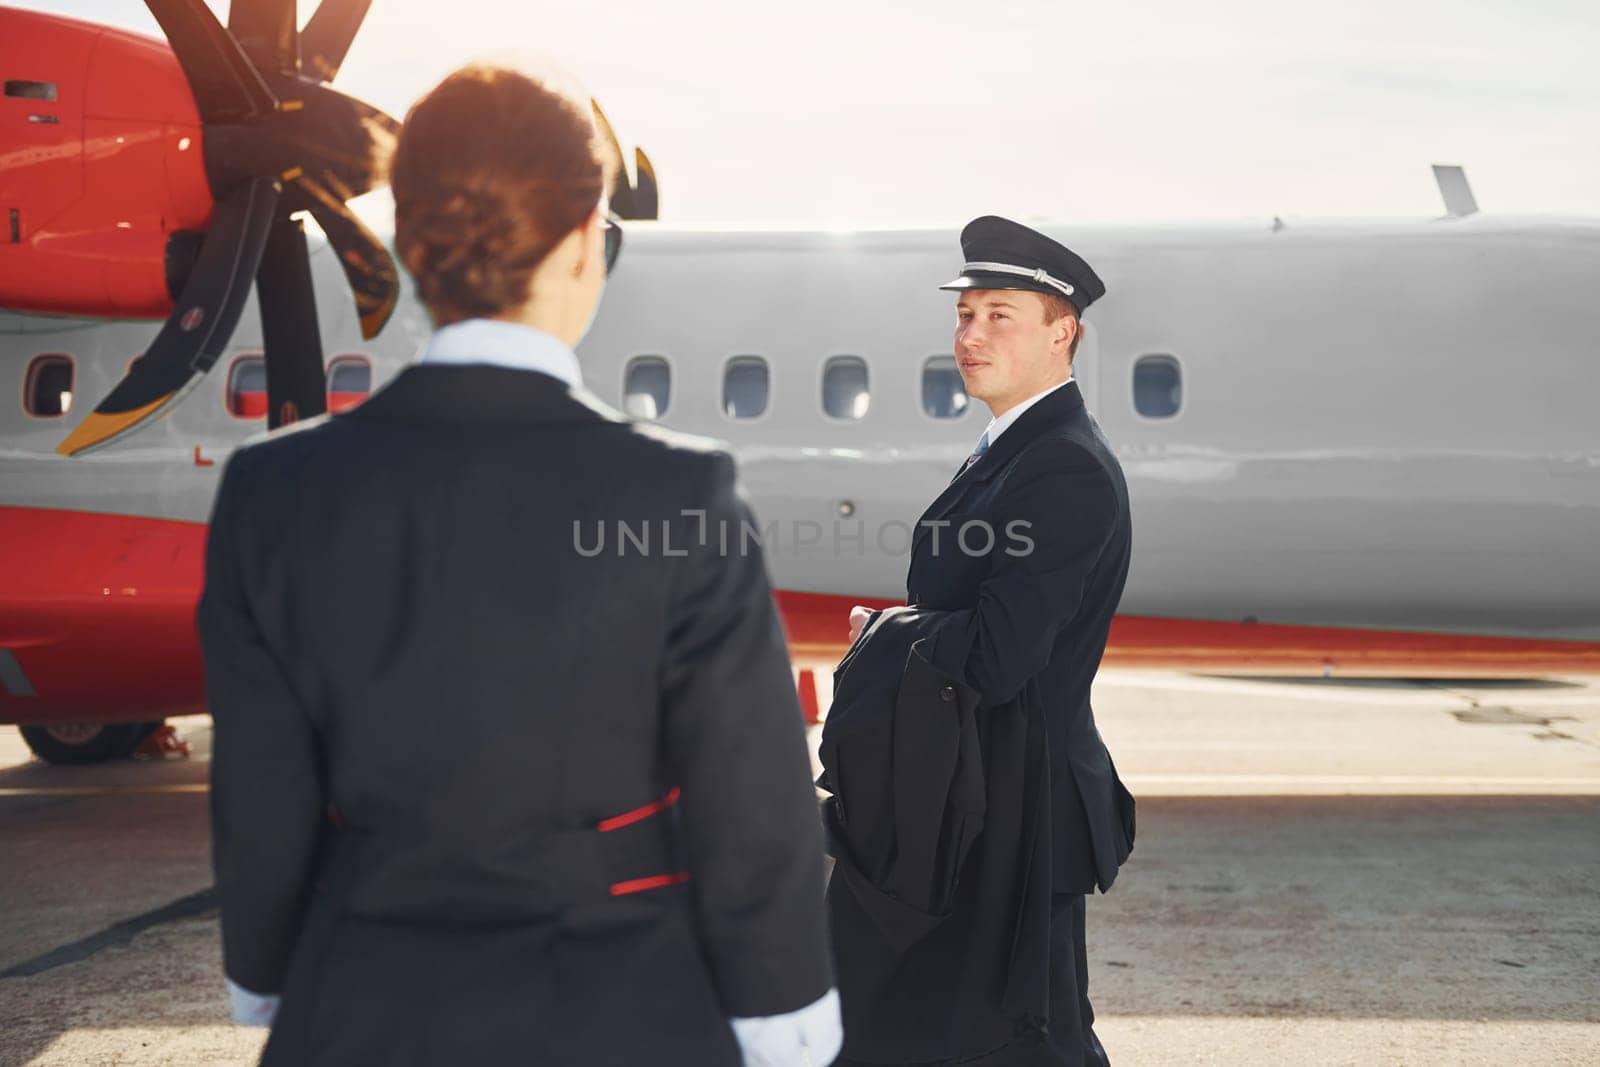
x=980 y=279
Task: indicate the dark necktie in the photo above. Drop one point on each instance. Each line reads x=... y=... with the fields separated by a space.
x=983 y=446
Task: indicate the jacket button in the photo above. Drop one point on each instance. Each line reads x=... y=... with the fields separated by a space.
x=947 y=694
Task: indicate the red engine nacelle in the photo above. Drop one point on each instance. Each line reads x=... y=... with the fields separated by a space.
x=101 y=164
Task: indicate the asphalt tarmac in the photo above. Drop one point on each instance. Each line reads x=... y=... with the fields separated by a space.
x=1327 y=872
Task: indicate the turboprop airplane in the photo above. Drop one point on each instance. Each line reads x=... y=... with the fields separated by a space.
x=1353 y=448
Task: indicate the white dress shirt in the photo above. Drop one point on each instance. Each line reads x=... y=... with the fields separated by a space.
x=503 y=344
x=999 y=424
x=766 y=1040
x=251 y=1009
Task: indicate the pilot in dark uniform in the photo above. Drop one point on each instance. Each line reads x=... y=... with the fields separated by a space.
x=1024 y=556
x=482 y=794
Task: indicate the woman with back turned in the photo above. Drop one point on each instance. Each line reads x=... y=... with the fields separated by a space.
x=480 y=794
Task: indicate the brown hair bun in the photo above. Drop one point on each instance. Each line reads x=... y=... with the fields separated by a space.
x=492 y=170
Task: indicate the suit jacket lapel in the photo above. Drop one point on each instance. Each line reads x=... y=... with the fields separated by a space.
x=1059 y=405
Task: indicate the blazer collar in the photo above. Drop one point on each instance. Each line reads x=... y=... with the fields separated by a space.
x=1050 y=409
x=483 y=393
x=1061 y=404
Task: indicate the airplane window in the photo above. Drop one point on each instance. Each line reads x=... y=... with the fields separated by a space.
x=844 y=387
x=247 y=388
x=28 y=90
x=944 y=395
x=745 y=387
x=47 y=388
x=647 y=387
x=349 y=382
x=1157 y=386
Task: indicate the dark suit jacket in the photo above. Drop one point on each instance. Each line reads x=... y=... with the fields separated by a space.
x=1041 y=613
x=403 y=623
x=940 y=897
x=901 y=758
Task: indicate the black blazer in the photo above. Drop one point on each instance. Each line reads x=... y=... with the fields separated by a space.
x=463 y=763
x=901 y=758
x=940 y=900
x=1037 y=604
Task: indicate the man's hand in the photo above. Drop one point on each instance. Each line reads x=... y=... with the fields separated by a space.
x=858 y=618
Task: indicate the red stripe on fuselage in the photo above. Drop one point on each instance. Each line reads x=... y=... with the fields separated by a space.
x=818 y=627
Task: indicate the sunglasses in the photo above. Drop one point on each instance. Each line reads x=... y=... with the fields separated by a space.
x=613 y=239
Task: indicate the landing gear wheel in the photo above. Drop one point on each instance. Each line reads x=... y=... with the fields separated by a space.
x=86 y=742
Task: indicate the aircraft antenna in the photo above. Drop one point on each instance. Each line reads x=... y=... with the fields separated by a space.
x=1458 y=199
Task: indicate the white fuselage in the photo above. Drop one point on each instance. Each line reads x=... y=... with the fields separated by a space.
x=1386 y=426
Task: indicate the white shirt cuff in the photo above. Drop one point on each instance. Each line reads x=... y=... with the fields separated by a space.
x=809 y=1037
x=251 y=1009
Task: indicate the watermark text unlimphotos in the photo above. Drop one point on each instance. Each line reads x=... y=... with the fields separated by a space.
x=802 y=537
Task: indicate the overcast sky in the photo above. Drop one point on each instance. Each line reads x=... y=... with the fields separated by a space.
x=927 y=111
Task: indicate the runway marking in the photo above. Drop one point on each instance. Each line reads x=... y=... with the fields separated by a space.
x=101 y=790
x=1433 y=783
x=1425 y=695
x=73 y=952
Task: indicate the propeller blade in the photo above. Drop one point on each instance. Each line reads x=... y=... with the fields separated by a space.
x=338 y=141
x=628 y=201
x=265 y=29
x=200 y=324
x=621 y=194
x=296 y=386
x=355 y=158
x=374 y=278
x=326 y=39
x=646 y=196
x=225 y=84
